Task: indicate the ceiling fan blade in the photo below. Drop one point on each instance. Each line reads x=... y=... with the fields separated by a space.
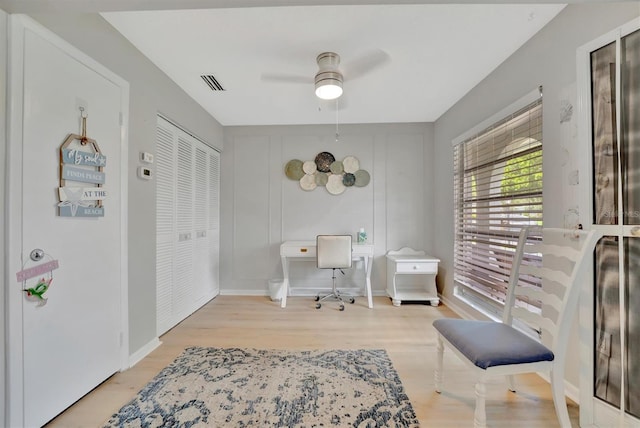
x=366 y=63
x=286 y=78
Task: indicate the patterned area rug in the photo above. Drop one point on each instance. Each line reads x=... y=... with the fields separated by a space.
x=213 y=387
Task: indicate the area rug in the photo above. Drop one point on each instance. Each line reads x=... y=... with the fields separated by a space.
x=215 y=387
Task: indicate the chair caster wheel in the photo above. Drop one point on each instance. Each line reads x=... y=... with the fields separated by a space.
x=316 y=298
x=318 y=305
x=342 y=307
x=352 y=300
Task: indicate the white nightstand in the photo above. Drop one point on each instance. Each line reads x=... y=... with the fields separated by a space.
x=407 y=261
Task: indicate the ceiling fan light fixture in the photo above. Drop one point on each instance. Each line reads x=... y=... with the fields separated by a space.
x=328 y=85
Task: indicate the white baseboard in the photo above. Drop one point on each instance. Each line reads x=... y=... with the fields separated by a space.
x=137 y=356
x=297 y=291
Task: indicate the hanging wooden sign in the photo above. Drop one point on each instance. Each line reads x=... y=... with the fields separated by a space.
x=78 y=157
x=81 y=193
x=81 y=162
x=82 y=175
x=77 y=210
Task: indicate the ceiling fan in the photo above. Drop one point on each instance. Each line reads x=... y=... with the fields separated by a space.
x=329 y=77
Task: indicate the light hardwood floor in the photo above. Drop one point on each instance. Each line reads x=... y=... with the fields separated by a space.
x=405 y=332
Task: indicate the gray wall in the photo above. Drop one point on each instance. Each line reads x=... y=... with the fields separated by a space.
x=401 y=206
x=548 y=59
x=3 y=144
x=151 y=92
x=263 y=207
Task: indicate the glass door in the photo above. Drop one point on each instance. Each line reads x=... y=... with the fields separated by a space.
x=611 y=102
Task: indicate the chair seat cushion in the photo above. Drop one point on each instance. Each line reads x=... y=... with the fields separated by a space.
x=489 y=344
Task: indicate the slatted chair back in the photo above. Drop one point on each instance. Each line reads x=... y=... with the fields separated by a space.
x=546 y=266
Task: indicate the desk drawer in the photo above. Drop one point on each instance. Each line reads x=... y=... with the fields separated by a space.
x=305 y=251
x=417 y=267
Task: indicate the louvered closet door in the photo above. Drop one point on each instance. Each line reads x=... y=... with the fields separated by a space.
x=184 y=263
x=165 y=224
x=187 y=245
x=214 y=220
x=201 y=208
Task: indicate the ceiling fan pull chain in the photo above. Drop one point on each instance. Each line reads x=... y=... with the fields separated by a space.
x=337 y=110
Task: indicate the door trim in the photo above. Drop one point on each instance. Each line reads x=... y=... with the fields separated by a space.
x=18 y=26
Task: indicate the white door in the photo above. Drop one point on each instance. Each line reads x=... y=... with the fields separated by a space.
x=61 y=350
x=609 y=74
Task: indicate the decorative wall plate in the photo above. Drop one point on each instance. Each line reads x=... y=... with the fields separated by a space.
x=309 y=167
x=351 y=164
x=326 y=171
x=308 y=182
x=293 y=169
x=324 y=161
x=335 y=185
x=336 y=167
x=362 y=178
x=348 y=179
x=321 y=178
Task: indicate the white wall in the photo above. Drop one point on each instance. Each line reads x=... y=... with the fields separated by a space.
x=262 y=207
x=548 y=59
x=151 y=91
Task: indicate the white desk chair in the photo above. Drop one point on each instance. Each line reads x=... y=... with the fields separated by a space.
x=333 y=252
x=495 y=349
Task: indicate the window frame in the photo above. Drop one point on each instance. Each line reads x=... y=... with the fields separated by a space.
x=490 y=307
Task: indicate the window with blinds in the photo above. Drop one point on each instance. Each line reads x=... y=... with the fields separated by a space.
x=497 y=192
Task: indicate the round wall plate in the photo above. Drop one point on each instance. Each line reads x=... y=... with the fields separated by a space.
x=337 y=167
x=293 y=169
x=362 y=178
x=324 y=160
x=348 y=179
x=322 y=178
x=335 y=185
x=308 y=182
x=351 y=164
x=309 y=167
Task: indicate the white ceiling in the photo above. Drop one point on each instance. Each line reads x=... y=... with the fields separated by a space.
x=436 y=52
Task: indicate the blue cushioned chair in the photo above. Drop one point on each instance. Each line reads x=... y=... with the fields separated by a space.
x=500 y=348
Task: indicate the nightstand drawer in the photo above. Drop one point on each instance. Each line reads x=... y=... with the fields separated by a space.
x=417 y=267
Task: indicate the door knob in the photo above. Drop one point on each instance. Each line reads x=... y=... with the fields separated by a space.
x=36 y=255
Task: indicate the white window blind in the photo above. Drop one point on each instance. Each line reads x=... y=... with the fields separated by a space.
x=497 y=192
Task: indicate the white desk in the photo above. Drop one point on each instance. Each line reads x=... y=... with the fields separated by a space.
x=291 y=250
